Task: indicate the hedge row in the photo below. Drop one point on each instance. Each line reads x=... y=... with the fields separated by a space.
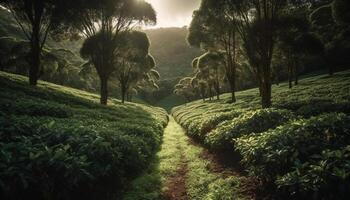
x=300 y=146
x=72 y=150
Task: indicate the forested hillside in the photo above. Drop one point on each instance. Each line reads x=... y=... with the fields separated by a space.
x=172 y=54
x=171 y=51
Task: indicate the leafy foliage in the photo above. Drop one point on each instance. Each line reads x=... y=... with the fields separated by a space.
x=248 y=123
x=54 y=138
x=299 y=146
x=295 y=155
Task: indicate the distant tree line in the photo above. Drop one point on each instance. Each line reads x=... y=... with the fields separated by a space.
x=263 y=42
x=112 y=50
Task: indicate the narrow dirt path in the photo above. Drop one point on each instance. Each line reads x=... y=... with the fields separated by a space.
x=176 y=183
x=184 y=170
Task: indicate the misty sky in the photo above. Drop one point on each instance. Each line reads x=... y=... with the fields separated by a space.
x=174 y=13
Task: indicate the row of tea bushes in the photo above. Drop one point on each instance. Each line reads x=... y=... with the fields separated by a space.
x=58 y=143
x=299 y=146
x=302 y=156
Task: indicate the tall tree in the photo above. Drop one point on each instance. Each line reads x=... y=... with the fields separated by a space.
x=256 y=24
x=341 y=11
x=211 y=66
x=133 y=61
x=184 y=88
x=106 y=20
x=211 y=29
x=36 y=19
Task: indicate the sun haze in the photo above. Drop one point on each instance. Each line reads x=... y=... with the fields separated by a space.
x=174 y=13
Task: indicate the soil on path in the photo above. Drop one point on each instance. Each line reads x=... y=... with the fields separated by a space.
x=176 y=183
x=221 y=164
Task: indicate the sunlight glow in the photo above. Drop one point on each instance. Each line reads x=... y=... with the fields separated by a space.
x=174 y=13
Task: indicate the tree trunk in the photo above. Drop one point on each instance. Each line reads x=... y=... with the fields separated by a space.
x=123 y=92
x=265 y=80
x=217 y=90
x=104 y=90
x=290 y=81
x=203 y=93
x=296 y=74
x=266 y=92
x=232 y=87
x=210 y=93
x=35 y=56
x=277 y=78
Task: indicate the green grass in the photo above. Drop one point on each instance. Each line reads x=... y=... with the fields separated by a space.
x=256 y=133
x=55 y=138
x=152 y=184
x=200 y=183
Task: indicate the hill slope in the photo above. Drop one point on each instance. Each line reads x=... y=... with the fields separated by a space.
x=54 y=138
x=171 y=51
x=300 y=147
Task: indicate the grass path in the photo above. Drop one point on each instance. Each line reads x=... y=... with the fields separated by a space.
x=181 y=172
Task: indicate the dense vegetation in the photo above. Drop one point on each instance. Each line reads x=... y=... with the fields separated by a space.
x=299 y=147
x=292 y=138
x=258 y=43
x=168 y=46
x=59 y=143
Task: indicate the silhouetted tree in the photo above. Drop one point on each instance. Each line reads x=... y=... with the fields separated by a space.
x=102 y=22
x=211 y=65
x=211 y=29
x=184 y=88
x=36 y=19
x=341 y=11
x=256 y=25
x=133 y=61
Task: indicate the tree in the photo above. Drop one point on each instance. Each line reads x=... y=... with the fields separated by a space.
x=334 y=36
x=256 y=25
x=211 y=29
x=36 y=19
x=134 y=63
x=102 y=22
x=341 y=12
x=148 y=82
x=185 y=89
x=199 y=84
x=6 y=43
x=295 y=41
x=211 y=66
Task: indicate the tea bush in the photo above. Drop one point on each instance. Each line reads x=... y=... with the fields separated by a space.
x=296 y=156
x=323 y=176
x=59 y=143
x=250 y=122
x=299 y=146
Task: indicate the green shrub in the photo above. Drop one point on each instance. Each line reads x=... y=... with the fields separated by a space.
x=35 y=108
x=212 y=121
x=247 y=123
x=58 y=143
x=328 y=173
x=298 y=149
x=313 y=109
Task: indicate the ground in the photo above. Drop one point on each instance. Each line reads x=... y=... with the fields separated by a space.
x=184 y=170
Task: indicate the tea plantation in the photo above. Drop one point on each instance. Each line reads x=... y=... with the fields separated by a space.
x=298 y=149
x=59 y=143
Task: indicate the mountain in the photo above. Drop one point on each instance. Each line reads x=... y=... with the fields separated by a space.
x=171 y=51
